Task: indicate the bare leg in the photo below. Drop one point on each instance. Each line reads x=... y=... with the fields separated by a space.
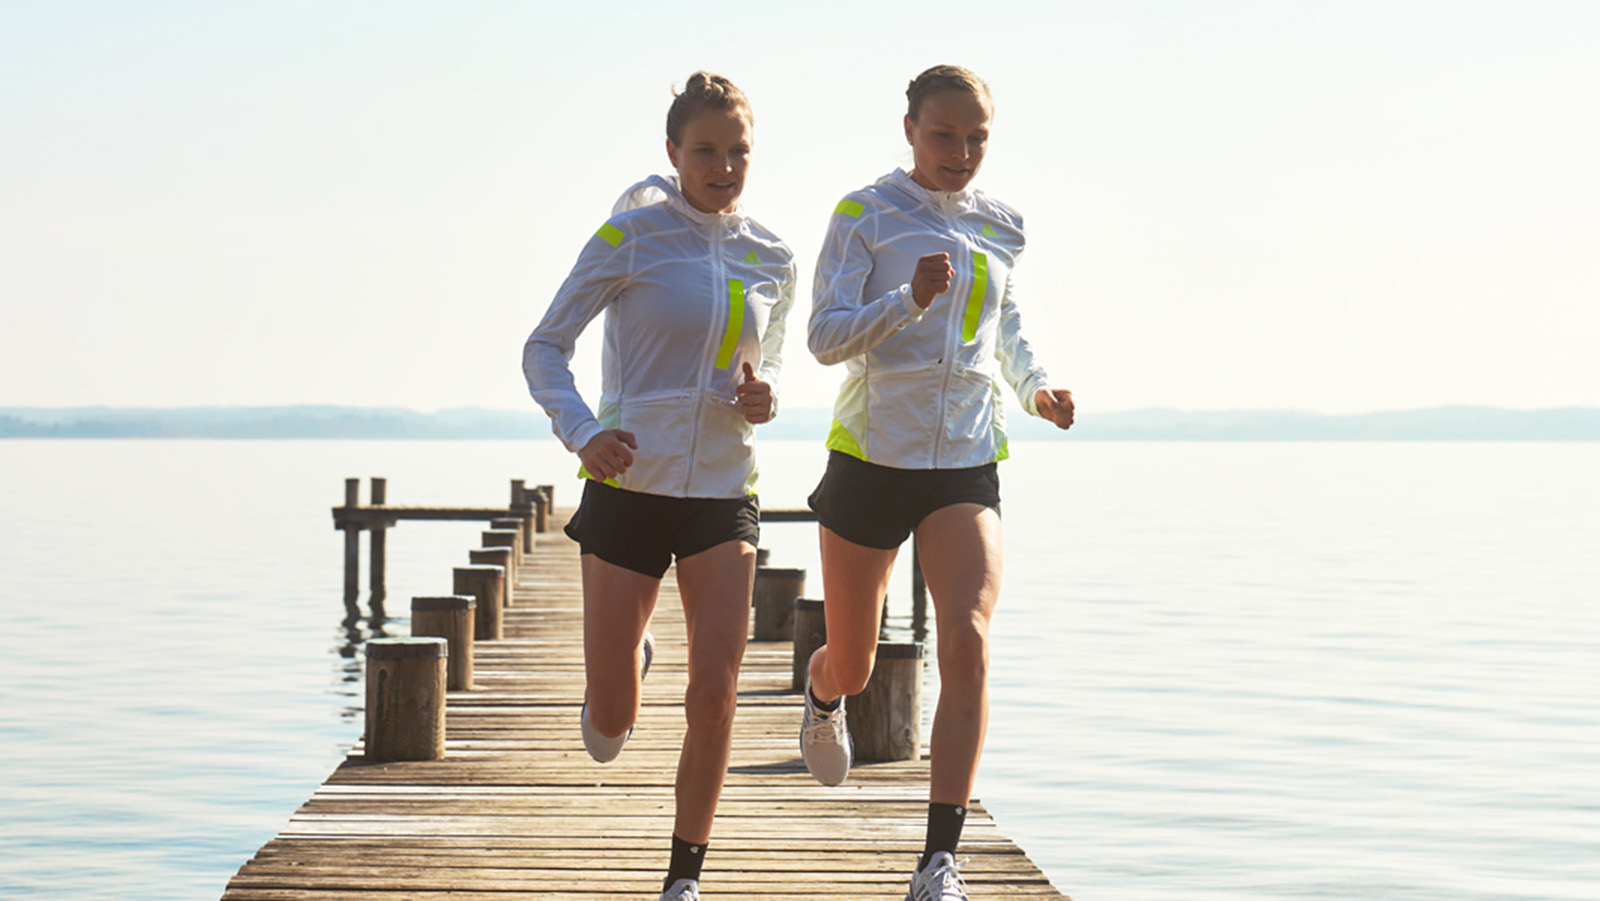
x=715 y=585
x=617 y=603
x=854 y=578
x=959 y=547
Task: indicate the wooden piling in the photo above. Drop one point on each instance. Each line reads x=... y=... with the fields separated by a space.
x=546 y=501
x=378 y=550
x=511 y=524
x=773 y=598
x=405 y=699
x=810 y=633
x=504 y=538
x=494 y=556
x=886 y=717
x=449 y=617
x=487 y=585
x=919 y=596
x=352 y=543
x=522 y=508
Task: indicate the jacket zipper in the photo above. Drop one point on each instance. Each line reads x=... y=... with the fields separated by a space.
x=718 y=283
x=950 y=347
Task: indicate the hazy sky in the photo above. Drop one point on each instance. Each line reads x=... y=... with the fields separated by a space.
x=1335 y=207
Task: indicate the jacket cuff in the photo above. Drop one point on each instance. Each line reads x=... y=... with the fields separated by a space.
x=909 y=303
x=582 y=435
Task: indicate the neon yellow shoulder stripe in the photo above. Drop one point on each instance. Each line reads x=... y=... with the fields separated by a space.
x=980 y=287
x=611 y=234
x=730 y=337
x=840 y=439
x=850 y=208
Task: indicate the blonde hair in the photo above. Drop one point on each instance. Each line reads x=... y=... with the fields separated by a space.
x=704 y=91
x=943 y=78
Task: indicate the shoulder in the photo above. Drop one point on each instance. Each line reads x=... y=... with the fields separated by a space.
x=637 y=223
x=998 y=210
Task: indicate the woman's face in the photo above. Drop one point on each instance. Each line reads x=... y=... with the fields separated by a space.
x=948 y=139
x=713 y=159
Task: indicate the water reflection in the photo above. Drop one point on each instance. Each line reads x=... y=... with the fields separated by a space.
x=349 y=677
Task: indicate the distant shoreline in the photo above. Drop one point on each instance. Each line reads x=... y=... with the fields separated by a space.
x=473 y=424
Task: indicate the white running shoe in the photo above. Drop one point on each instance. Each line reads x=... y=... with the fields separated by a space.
x=682 y=890
x=603 y=748
x=825 y=743
x=940 y=880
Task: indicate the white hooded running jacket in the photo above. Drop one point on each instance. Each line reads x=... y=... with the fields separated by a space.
x=920 y=389
x=689 y=298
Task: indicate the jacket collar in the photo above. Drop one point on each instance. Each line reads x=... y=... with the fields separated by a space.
x=900 y=178
x=664 y=189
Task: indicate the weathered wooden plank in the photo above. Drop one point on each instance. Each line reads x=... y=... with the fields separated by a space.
x=517 y=806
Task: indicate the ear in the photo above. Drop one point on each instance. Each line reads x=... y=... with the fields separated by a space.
x=672 y=153
x=909 y=125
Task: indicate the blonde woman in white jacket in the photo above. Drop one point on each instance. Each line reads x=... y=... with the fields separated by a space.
x=913 y=294
x=694 y=294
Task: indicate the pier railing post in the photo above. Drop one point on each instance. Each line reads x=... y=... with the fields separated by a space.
x=486 y=584
x=405 y=698
x=494 y=556
x=810 y=633
x=773 y=597
x=449 y=617
x=886 y=717
x=547 y=504
x=522 y=507
x=919 y=596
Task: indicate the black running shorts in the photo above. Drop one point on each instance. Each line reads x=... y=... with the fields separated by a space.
x=643 y=532
x=880 y=506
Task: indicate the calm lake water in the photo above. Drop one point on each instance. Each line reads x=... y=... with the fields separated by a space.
x=1263 y=671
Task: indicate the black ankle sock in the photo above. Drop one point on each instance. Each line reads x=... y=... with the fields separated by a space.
x=829 y=706
x=944 y=830
x=686 y=861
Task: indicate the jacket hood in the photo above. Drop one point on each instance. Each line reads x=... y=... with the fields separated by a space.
x=664 y=189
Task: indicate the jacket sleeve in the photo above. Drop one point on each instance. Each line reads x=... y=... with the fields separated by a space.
x=597 y=278
x=772 y=338
x=843 y=323
x=1017 y=364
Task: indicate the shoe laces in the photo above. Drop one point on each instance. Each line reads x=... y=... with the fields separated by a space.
x=826 y=725
x=944 y=882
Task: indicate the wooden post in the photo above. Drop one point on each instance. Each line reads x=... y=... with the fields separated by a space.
x=543 y=500
x=494 y=556
x=352 y=546
x=487 y=585
x=378 y=548
x=810 y=633
x=449 y=617
x=510 y=524
x=762 y=556
x=522 y=508
x=773 y=599
x=504 y=538
x=919 y=596
x=405 y=698
x=886 y=717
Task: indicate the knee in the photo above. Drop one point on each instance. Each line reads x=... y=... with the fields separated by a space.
x=848 y=676
x=611 y=717
x=964 y=655
x=710 y=702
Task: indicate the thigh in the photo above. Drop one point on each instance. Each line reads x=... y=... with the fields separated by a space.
x=959 y=549
x=715 y=586
x=854 y=580
x=617 y=603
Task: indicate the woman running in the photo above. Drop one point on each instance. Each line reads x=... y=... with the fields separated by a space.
x=695 y=293
x=913 y=294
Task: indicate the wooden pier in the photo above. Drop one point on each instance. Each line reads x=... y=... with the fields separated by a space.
x=517 y=808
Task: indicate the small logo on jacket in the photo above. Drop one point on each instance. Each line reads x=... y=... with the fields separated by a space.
x=988 y=230
x=751 y=257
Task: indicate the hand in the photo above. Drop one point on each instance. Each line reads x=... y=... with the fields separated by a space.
x=755 y=397
x=608 y=454
x=931 y=279
x=1055 y=405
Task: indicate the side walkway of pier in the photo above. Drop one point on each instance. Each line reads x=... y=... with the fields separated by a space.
x=517 y=808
